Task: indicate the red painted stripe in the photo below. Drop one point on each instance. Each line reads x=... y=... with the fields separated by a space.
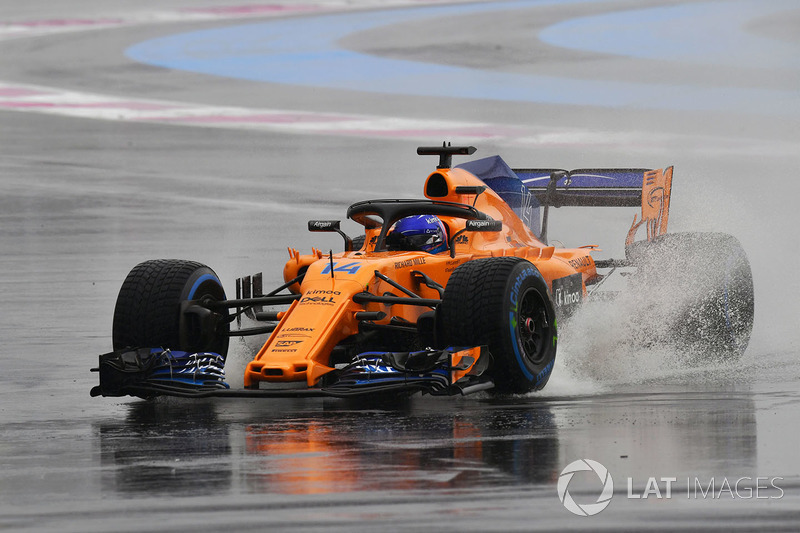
x=97 y=105
x=250 y=9
x=422 y=133
x=256 y=118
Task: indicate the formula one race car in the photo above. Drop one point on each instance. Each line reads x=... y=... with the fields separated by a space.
x=455 y=293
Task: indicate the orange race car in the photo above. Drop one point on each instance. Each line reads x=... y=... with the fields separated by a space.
x=455 y=293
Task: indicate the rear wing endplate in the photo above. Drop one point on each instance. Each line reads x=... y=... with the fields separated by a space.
x=606 y=187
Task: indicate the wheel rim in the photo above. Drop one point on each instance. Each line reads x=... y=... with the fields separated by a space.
x=198 y=338
x=532 y=326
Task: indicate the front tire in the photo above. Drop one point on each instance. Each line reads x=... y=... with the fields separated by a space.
x=148 y=309
x=502 y=303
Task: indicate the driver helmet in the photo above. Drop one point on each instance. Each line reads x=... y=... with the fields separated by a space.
x=420 y=232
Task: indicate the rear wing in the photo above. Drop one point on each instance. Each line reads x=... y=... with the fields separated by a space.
x=605 y=187
x=596 y=187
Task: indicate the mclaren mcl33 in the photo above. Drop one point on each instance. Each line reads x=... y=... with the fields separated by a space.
x=458 y=292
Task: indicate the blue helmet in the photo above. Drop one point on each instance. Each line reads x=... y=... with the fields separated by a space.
x=418 y=232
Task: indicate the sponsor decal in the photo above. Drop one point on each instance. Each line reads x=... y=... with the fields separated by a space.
x=546 y=370
x=462 y=239
x=410 y=262
x=452 y=265
x=296 y=332
x=512 y=319
x=317 y=300
x=321 y=291
x=484 y=225
x=580 y=262
x=377 y=368
x=322 y=224
x=284 y=344
x=568 y=292
x=517 y=284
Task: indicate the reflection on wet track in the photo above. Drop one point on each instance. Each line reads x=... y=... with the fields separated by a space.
x=305 y=447
x=417 y=445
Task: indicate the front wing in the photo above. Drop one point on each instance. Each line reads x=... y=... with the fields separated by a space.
x=151 y=372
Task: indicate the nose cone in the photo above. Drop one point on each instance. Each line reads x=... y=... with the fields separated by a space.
x=299 y=349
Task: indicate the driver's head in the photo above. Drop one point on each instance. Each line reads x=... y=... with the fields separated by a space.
x=418 y=232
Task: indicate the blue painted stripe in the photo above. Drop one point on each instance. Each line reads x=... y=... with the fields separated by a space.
x=708 y=33
x=305 y=52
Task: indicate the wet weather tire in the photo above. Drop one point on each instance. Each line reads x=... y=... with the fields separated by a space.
x=502 y=303
x=358 y=242
x=707 y=280
x=148 y=309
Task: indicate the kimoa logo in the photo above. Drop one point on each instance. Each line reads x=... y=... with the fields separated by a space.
x=567 y=298
x=587 y=509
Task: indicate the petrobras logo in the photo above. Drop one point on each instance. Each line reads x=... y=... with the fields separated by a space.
x=586 y=509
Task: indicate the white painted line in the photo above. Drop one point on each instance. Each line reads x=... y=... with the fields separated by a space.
x=49 y=26
x=37 y=99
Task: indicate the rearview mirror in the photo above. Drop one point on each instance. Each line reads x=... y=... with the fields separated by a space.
x=331 y=226
x=324 y=225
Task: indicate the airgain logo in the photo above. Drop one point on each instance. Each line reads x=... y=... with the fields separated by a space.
x=586 y=509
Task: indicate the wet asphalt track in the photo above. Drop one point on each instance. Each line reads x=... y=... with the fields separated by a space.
x=85 y=199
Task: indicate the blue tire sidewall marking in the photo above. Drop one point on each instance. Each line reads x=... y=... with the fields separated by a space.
x=202 y=279
x=512 y=319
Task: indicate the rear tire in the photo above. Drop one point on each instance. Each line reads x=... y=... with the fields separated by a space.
x=707 y=277
x=502 y=303
x=148 y=309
